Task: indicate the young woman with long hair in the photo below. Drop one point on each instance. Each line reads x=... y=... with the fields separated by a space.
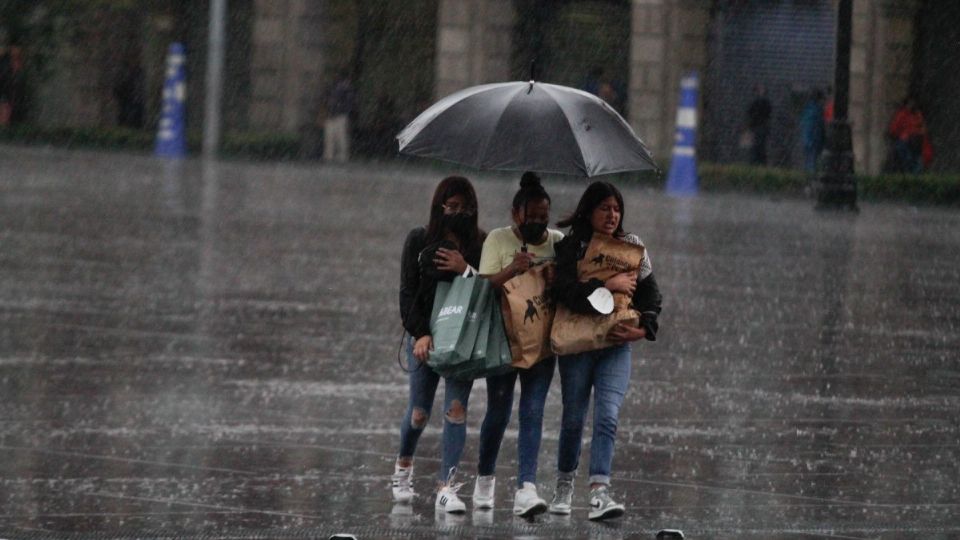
x=605 y=372
x=438 y=252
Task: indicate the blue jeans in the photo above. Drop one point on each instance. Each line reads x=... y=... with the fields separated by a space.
x=908 y=158
x=423 y=388
x=810 y=157
x=606 y=372
x=454 y=426
x=534 y=385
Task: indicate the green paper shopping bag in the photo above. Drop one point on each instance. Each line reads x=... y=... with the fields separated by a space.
x=491 y=354
x=456 y=320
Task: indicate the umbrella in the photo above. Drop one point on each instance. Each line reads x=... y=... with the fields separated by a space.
x=527 y=126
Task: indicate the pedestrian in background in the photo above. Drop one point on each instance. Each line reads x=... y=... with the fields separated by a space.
x=605 y=373
x=341 y=100
x=438 y=252
x=129 y=91
x=11 y=86
x=909 y=132
x=758 y=122
x=812 y=130
x=508 y=252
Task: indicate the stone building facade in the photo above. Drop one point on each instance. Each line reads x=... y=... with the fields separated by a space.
x=292 y=49
x=881 y=64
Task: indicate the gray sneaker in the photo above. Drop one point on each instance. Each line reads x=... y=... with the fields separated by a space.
x=602 y=506
x=563 y=496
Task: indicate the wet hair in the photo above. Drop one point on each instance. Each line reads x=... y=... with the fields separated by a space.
x=531 y=190
x=596 y=193
x=452 y=186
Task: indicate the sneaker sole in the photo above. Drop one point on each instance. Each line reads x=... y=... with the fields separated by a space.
x=482 y=505
x=609 y=513
x=449 y=510
x=534 y=510
x=560 y=510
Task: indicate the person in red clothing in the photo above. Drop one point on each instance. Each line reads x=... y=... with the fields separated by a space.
x=828 y=107
x=908 y=131
x=11 y=85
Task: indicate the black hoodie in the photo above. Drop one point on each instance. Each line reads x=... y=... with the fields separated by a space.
x=572 y=293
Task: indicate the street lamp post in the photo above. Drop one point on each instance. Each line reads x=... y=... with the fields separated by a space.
x=216 y=47
x=836 y=188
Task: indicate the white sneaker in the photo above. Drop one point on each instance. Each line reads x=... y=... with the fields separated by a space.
x=400 y=482
x=563 y=497
x=527 y=503
x=448 y=501
x=602 y=506
x=483 y=492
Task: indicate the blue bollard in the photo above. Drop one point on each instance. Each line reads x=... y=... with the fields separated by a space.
x=682 y=180
x=171 y=132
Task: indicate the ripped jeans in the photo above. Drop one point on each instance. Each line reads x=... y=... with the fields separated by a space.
x=423 y=388
x=456 y=395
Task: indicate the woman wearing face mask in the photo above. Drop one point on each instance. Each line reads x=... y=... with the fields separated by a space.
x=438 y=252
x=604 y=372
x=507 y=252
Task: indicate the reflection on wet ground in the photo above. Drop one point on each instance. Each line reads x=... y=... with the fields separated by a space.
x=212 y=352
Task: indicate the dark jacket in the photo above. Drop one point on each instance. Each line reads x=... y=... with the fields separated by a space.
x=341 y=99
x=758 y=114
x=419 y=277
x=572 y=293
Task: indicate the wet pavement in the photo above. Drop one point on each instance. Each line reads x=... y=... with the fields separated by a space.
x=211 y=352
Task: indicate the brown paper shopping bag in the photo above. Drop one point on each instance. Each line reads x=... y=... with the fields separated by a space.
x=528 y=316
x=605 y=257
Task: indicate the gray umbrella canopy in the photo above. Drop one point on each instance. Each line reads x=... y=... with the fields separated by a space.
x=527 y=126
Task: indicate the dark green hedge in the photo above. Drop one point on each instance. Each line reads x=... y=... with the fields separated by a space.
x=81 y=137
x=247 y=145
x=941 y=189
x=915 y=188
x=738 y=177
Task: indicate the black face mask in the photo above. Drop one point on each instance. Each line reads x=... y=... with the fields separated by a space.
x=532 y=232
x=459 y=224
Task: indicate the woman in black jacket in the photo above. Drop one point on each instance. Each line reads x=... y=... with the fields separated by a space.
x=443 y=249
x=605 y=372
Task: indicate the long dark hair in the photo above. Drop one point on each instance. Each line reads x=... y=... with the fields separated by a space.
x=531 y=190
x=596 y=193
x=450 y=187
